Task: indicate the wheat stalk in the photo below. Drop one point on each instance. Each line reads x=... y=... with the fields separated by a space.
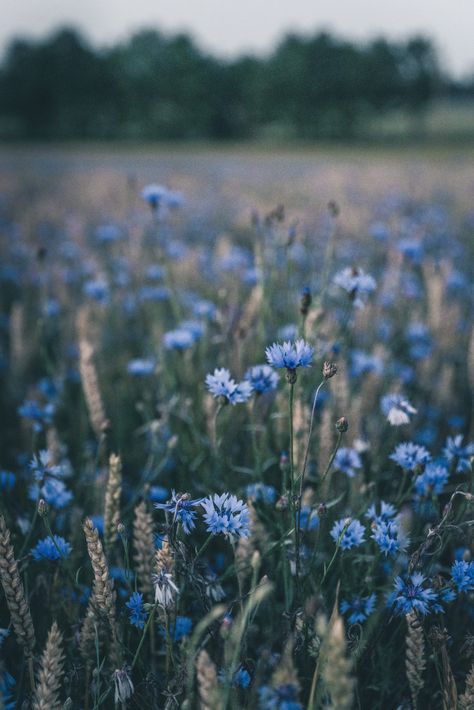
x=90 y=388
x=466 y=700
x=207 y=682
x=415 y=656
x=143 y=545
x=51 y=672
x=112 y=500
x=337 y=667
x=14 y=592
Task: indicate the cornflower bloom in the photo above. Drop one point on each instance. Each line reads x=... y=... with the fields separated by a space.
x=138 y=614
x=227 y=515
x=458 y=454
x=7 y=480
x=39 y=416
x=283 y=697
x=462 y=574
x=51 y=548
x=220 y=384
x=262 y=378
x=348 y=533
x=411 y=595
x=358 y=608
x=432 y=481
x=141 y=367
x=261 y=493
x=123 y=686
x=347 y=460
x=388 y=537
x=165 y=589
x=181 y=507
x=290 y=354
x=387 y=511
x=397 y=409
x=410 y=456
x=357 y=283
x=179 y=629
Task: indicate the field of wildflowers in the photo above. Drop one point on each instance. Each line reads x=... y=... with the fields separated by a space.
x=237 y=432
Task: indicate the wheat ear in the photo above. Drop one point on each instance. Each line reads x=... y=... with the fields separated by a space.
x=337 y=668
x=207 y=682
x=415 y=656
x=51 y=672
x=14 y=592
x=90 y=387
x=143 y=545
x=466 y=700
x=112 y=500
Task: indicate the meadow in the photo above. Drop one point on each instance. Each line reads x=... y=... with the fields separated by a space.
x=237 y=428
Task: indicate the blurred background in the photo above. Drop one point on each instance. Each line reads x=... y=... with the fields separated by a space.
x=252 y=71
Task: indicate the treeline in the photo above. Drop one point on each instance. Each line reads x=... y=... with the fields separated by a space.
x=157 y=87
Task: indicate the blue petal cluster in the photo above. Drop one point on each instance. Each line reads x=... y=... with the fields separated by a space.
x=352 y=533
x=462 y=574
x=51 y=549
x=358 y=609
x=347 y=461
x=220 y=384
x=181 y=508
x=138 y=614
x=290 y=354
x=410 y=456
x=262 y=378
x=227 y=515
x=457 y=454
x=411 y=594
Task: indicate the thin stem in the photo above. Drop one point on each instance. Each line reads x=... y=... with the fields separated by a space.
x=148 y=622
x=292 y=464
x=31 y=674
x=311 y=423
x=203 y=547
x=333 y=456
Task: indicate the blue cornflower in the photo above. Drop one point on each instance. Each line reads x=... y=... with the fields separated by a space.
x=141 y=367
x=347 y=460
x=178 y=339
x=283 y=697
x=47 y=549
x=7 y=683
x=41 y=466
x=388 y=537
x=397 y=409
x=309 y=519
x=138 y=614
x=181 y=508
x=40 y=416
x=290 y=354
x=262 y=378
x=53 y=491
x=411 y=595
x=358 y=608
x=352 y=533
x=227 y=515
x=155 y=294
x=410 y=456
x=107 y=233
x=159 y=196
x=7 y=480
x=444 y=596
x=455 y=452
x=387 y=512
x=463 y=575
x=259 y=492
x=240 y=679
x=363 y=363
x=432 y=480
x=97 y=289
x=220 y=384
x=357 y=283
x=179 y=629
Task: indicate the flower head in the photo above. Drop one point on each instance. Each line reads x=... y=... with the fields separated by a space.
x=458 y=454
x=181 y=506
x=348 y=533
x=387 y=512
x=290 y=354
x=463 y=575
x=347 y=460
x=137 y=612
x=165 y=589
x=357 y=283
x=389 y=537
x=51 y=548
x=410 y=456
x=220 y=384
x=397 y=409
x=141 y=367
x=433 y=480
x=227 y=515
x=123 y=686
x=281 y=697
x=358 y=609
x=412 y=595
x=262 y=378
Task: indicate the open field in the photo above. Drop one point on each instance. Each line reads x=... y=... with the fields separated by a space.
x=236 y=394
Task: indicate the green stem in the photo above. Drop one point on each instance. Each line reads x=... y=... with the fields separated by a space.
x=148 y=622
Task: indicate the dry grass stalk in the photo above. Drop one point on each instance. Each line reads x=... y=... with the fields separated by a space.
x=90 y=388
x=466 y=700
x=434 y=283
x=450 y=693
x=14 y=592
x=415 y=656
x=51 y=672
x=143 y=545
x=164 y=560
x=17 y=335
x=470 y=362
x=112 y=500
x=206 y=674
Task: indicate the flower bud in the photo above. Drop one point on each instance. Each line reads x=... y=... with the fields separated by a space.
x=342 y=425
x=329 y=369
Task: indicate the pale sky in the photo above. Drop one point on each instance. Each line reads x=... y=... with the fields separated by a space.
x=228 y=27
